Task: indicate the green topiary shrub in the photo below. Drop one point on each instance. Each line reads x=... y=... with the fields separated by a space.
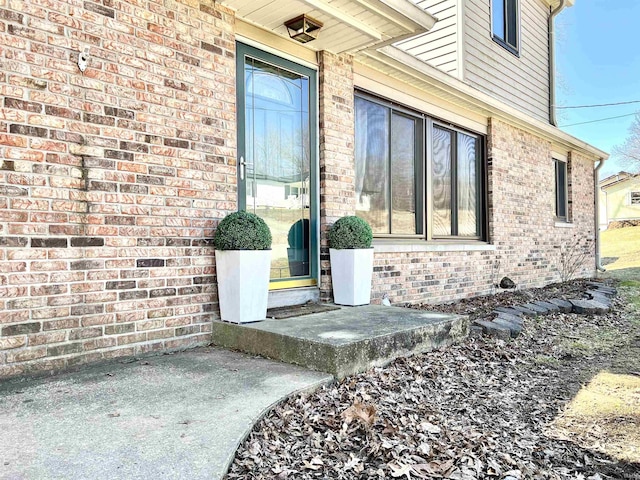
x=350 y=232
x=242 y=231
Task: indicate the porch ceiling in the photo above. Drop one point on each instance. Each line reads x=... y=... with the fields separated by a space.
x=349 y=25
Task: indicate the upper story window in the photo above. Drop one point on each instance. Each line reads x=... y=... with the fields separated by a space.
x=634 y=198
x=416 y=177
x=505 y=24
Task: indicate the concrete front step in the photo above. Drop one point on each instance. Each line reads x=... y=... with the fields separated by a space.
x=345 y=341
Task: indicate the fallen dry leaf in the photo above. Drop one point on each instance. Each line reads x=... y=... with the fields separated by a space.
x=477 y=410
x=359 y=411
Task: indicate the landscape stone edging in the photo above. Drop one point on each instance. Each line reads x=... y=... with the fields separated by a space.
x=508 y=321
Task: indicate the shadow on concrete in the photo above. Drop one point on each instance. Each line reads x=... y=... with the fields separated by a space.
x=179 y=416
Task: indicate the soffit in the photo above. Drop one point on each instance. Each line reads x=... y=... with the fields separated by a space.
x=349 y=25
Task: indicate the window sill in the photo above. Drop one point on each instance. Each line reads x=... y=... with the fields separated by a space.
x=399 y=246
x=563 y=224
x=509 y=48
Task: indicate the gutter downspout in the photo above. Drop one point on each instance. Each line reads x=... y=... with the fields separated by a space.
x=552 y=65
x=596 y=196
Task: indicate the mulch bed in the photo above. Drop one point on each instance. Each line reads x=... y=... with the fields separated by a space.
x=481 y=307
x=481 y=409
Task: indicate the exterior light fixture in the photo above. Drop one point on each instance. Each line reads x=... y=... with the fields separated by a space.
x=303 y=29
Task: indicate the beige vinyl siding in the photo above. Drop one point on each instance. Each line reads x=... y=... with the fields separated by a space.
x=439 y=46
x=617 y=201
x=519 y=81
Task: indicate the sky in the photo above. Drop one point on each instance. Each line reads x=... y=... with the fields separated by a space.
x=598 y=61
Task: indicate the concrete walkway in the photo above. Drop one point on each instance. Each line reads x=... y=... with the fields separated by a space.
x=177 y=416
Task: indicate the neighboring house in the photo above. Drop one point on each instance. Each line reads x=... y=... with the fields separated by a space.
x=429 y=119
x=619 y=198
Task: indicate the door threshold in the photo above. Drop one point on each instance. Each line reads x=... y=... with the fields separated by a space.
x=287 y=297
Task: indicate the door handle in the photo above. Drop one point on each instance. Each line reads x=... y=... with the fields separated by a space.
x=243 y=166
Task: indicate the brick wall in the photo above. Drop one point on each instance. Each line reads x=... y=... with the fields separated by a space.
x=522 y=206
x=111 y=181
x=521 y=213
x=431 y=277
x=337 y=161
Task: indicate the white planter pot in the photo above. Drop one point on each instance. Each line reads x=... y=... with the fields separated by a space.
x=351 y=272
x=243 y=284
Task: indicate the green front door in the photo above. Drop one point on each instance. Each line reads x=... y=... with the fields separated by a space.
x=277 y=159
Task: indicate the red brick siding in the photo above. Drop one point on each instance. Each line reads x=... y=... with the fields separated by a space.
x=431 y=277
x=111 y=181
x=522 y=205
x=337 y=161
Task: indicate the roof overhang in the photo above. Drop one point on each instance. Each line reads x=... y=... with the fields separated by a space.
x=617 y=178
x=393 y=61
x=369 y=28
x=348 y=25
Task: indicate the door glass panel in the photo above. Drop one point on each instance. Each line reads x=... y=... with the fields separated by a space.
x=403 y=163
x=372 y=163
x=278 y=157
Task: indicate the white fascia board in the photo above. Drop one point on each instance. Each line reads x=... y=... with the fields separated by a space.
x=344 y=18
x=403 y=13
x=410 y=65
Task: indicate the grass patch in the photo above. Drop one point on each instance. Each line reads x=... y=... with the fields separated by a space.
x=623 y=244
x=605 y=415
x=546 y=361
x=594 y=340
x=630 y=290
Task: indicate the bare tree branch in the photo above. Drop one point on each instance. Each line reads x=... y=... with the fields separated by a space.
x=629 y=151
